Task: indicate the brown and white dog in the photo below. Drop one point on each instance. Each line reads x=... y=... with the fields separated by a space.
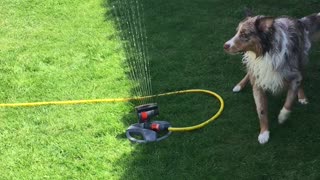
x=275 y=54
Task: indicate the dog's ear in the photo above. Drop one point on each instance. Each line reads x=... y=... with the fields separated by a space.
x=248 y=12
x=264 y=24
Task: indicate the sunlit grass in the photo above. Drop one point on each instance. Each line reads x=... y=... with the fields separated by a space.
x=61 y=50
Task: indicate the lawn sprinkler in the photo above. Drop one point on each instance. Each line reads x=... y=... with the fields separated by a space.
x=145 y=130
x=153 y=131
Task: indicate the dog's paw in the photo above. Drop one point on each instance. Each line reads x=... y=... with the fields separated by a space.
x=303 y=101
x=236 y=89
x=264 y=137
x=283 y=115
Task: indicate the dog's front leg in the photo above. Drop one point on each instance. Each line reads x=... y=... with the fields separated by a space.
x=241 y=84
x=291 y=96
x=260 y=99
x=301 y=96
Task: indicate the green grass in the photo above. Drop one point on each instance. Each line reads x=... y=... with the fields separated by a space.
x=61 y=50
x=64 y=50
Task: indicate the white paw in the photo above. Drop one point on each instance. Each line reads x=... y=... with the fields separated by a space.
x=283 y=115
x=303 y=101
x=237 y=88
x=263 y=137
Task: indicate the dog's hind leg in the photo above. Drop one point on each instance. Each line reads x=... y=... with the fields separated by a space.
x=241 y=84
x=260 y=99
x=301 y=96
x=294 y=87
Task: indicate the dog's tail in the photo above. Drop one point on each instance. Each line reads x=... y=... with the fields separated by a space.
x=312 y=24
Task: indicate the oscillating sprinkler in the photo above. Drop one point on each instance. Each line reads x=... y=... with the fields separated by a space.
x=146 y=130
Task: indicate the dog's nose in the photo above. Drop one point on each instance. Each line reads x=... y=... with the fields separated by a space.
x=226 y=46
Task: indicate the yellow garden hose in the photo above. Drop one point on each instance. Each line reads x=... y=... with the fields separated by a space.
x=172 y=129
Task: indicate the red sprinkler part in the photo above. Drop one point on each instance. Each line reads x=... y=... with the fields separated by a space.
x=146 y=112
x=144 y=116
x=155 y=127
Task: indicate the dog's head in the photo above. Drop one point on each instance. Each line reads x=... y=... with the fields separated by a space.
x=253 y=34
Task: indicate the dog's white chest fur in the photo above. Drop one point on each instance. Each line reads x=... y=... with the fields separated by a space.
x=263 y=71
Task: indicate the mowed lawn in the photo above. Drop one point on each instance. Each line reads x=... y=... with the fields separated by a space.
x=61 y=50
x=66 y=50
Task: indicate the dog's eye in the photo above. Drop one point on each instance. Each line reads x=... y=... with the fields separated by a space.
x=244 y=36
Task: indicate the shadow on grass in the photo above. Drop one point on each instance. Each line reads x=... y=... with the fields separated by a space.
x=185 y=46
